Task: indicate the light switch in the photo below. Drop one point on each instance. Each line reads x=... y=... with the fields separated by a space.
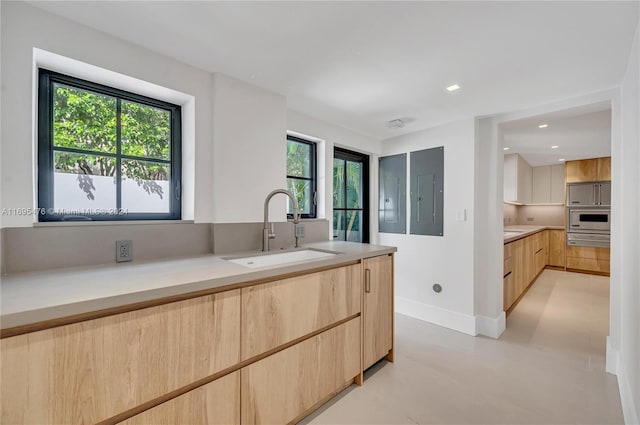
x=461 y=214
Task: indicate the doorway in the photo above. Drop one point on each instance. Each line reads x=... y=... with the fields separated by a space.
x=350 y=196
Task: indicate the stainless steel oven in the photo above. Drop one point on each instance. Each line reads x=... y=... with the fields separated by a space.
x=599 y=240
x=589 y=220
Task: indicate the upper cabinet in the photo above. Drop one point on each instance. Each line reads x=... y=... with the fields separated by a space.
x=518 y=176
x=548 y=184
x=588 y=170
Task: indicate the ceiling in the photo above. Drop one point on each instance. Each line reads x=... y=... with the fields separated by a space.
x=578 y=133
x=360 y=64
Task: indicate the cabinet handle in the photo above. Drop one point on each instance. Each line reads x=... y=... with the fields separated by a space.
x=367 y=280
x=506 y=275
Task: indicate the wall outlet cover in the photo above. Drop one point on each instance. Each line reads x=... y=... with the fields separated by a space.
x=124 y=251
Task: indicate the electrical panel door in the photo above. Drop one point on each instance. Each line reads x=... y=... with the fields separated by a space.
x=392 y=204
x=427 y=191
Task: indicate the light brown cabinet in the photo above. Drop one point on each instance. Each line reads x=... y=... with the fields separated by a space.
x=557 y=245
x=89 y=371
x=269 y=352
x=591 y=259
x=378 y=309
x=524 y=260
x=215 y=403
x=286 y=386
x=588 y=170
x=276 y=313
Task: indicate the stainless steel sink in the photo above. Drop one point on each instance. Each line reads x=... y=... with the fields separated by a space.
x=280 y=258
x=511 y=233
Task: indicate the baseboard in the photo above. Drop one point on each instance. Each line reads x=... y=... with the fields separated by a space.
x=491 y=326
x=626 y=397
x=611 y=359
x=439 y=316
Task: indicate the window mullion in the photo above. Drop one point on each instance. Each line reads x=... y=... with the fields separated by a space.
x=118 y=153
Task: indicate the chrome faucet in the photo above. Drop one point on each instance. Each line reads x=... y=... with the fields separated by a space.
x=268 y=233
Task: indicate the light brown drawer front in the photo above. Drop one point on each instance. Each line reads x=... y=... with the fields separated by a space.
x=89 y=371
x=510 y=291
x=278 y=312
x=216 y=403
x=508 y=249
x=588 y=264
x=507 y=267
x=283 y=387
x=588 y=252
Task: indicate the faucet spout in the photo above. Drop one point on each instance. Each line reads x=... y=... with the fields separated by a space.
x=266 y=235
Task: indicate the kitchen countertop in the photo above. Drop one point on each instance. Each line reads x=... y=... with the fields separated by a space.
x=29 y=298
x=526 y=230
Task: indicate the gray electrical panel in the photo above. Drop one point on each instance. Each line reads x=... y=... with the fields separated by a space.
x=392 y=204
x=427 y=191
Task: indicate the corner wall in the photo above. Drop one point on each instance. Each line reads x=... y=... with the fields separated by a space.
x=624 y=342
x=422 y=261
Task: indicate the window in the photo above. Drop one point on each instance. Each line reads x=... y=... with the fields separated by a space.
x=350 y=196
x=105 y=154
x=301 y=175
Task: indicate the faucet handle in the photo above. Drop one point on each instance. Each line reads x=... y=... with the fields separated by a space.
x=272 y=230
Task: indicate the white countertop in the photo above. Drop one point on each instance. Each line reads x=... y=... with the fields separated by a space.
x=33 y=297
x=526 y=230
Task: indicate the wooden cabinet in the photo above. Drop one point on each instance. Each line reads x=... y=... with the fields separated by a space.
x=588 y=170
x=557 y=243
x=524 y=260
x=517 y=179
x=378 y=309
x=286 y=386
x=591 y=259
x=278 y=312
x=603 y=168
x=548 y=184
x=215 y=403
x=89 y=371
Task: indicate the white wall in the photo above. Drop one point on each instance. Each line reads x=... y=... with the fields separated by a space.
x=625 y=277
x=25 y=28
x=328 y=136
x=250 y=158
x=422 y=261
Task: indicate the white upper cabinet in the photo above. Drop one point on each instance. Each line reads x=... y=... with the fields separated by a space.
x=548 y=184
x=518 y=176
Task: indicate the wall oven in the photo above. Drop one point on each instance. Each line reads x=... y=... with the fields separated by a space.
x=589 y=220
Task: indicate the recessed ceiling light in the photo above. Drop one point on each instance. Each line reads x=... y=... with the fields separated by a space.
x=506 y=148
x=543 y=126
x=561 y=159
x=555 y=147
x=453 y=87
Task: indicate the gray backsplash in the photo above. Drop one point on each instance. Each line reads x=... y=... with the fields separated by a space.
x=48 y=247
x=543 y=215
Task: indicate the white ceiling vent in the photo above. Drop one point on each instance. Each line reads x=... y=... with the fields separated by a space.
x=399 y=122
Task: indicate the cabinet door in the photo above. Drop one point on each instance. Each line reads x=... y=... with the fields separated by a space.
x=510 y=178
x=557 y=184
x=525 y=178
x=585 y=170
x=278 y=312
x=285 y=386
x=541 y=192
x=216 y=403
x=603 y=168
x=89 y=371
x=510 y=292
x=556 y=248
x=378 y=308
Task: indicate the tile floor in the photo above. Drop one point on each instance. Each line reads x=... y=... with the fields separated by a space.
x=546 y=368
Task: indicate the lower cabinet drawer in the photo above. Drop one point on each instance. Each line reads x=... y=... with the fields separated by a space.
x=285 y=386
x=216 y=403
x=507 y=267
x=588 y=264
x=510 y=290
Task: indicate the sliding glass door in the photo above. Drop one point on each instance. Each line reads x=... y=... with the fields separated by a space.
x=350 y=196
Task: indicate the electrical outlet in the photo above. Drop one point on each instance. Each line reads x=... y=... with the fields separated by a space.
x=529 y=218
x=124 y=251
x=299 y=229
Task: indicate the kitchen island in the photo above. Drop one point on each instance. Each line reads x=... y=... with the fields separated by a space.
x=194 y=340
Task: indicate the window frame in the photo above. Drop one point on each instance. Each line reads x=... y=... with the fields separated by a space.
x=313 y=167
x=46 y=80
x=353 y=156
